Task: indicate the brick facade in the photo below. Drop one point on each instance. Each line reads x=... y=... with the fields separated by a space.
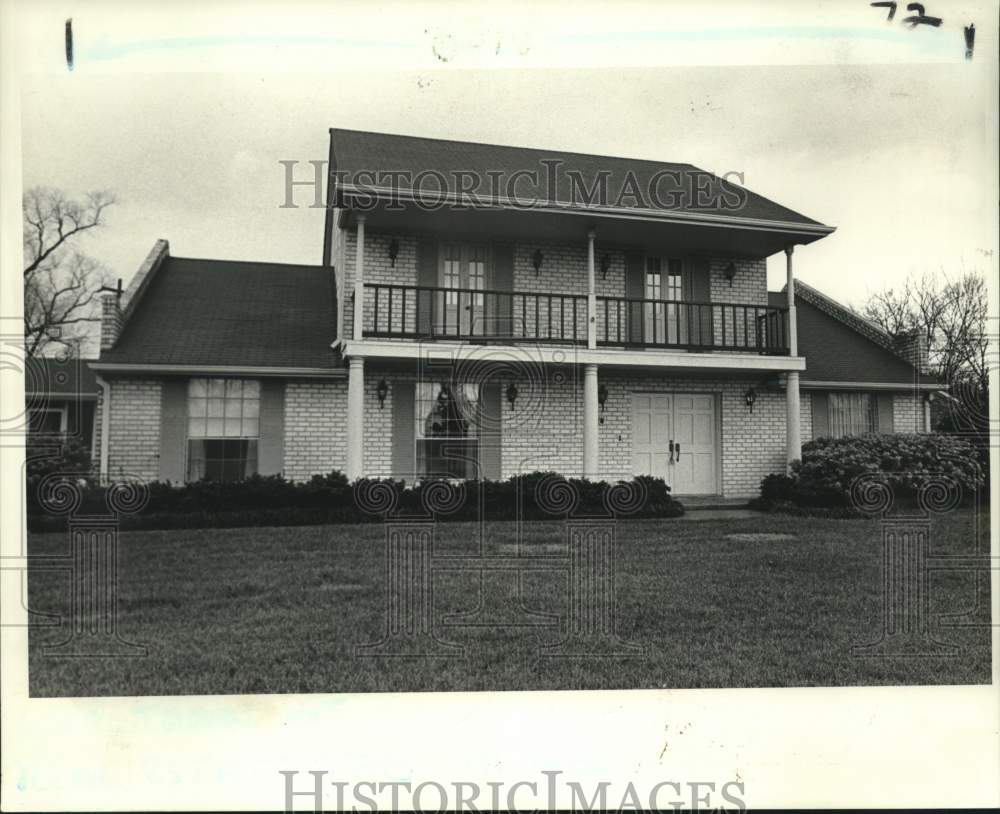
x=134 y=430
x=315 y=421
x=907 y=413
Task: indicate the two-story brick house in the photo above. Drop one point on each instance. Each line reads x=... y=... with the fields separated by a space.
x=482 y=311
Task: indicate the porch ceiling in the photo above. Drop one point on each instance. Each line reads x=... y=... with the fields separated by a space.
x=680 y=233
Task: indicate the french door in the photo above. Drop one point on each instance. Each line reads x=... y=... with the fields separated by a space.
x=663 y=319
x=464 y=278
x=673 y=437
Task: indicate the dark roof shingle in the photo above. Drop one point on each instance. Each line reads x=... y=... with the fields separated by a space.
x=840 y=346
x=355 y=151
x=223 y=312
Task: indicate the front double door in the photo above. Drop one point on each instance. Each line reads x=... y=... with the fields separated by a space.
x=674 y=438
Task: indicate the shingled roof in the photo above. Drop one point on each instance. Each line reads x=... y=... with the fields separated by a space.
x=840 y=345
x=232 y=313
x=354 y=151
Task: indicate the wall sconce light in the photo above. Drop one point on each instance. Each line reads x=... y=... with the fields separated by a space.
x=536 y=260
x=602 y=398
x=605 y=265
x=393 y=251
x=382 y=391
x=511 y=394
x=730 y=272
x=750 y=398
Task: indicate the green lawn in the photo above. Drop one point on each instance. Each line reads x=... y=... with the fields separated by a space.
x=282 y=610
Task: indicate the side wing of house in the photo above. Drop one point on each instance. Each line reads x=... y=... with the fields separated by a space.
x=220 y=369
x=858 y=379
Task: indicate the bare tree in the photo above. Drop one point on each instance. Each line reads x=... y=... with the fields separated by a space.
x=951 y=314
x=60 y=282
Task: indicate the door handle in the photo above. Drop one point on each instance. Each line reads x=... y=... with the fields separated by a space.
x=678 y=448
x=671 y=448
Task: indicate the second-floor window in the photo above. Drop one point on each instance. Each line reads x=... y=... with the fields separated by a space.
x=464 y=272
x=664 y=284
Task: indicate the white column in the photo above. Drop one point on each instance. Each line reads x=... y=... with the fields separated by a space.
x=591 y=293
x=927 y=413
x=359 y=278
x=355 y=418
x=793 y=440
x=590 y=423
x=793 y=331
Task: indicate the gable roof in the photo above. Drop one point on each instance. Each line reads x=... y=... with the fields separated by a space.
x=59 y=378
x=842 y=346
x=356 y=151
x=232 y=313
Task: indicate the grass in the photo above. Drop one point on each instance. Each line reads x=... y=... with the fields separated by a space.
x=714 y=603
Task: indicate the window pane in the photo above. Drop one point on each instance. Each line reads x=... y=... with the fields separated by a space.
x=196 y=428
x=234 y=388
x=198 y=388
x=197 y=407
x=216 y=388
x=233 y=408
x=216 y=408
x=251 y=428
x=251 y=389
x=251 y=408
x=214 y=429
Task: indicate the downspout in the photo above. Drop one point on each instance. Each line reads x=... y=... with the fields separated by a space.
x=105 y=427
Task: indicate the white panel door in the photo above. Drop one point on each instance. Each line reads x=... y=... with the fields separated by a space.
x=694 y=460
x=651 y=419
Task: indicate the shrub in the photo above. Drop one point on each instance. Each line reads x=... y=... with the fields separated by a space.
x=905 y=462
x=272 y=500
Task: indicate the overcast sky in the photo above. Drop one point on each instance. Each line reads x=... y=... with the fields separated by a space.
x=896 y=156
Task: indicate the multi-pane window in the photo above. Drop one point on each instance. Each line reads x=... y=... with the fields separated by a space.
x=464 y=273
x=44 y=421
x=223 y=428
x=446 y=430
x=853 y=414
x=664 y=285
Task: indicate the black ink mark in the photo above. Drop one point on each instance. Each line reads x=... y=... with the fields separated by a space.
x=970 y=40
x=69 y=43
x=890 y=6
x=920 y=18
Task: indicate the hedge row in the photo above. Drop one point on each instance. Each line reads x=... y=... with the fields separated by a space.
x=267 y=501
x=861 y=473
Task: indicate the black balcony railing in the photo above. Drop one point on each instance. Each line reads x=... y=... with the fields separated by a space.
x=404 y=311
x=692 y=325
x=425 y=312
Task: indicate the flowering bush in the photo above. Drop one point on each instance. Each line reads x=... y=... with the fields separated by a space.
x=905 y=462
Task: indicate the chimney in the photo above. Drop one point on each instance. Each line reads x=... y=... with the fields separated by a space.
x=912 y=347
x=116 y=307
x=111 y=317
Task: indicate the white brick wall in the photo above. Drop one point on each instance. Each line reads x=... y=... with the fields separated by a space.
x=907 y=413
x=315 y=428
x=134 y=432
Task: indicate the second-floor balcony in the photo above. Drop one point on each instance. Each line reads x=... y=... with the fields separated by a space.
x=491 y=316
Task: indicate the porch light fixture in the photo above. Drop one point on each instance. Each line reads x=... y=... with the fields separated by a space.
x=602 y=398
x=536 y=260
x=511 y=394
x=730 y=272
x=605 y=265
x=382 y=390
x=750 y=398
x=393 y=252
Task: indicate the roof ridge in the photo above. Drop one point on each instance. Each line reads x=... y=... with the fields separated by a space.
x=216 y=260
x=513 y=147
